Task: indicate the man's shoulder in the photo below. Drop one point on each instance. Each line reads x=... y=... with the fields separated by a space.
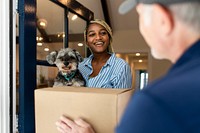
x=174 y=89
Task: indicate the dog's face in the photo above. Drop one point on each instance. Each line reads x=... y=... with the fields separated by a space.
x=66 y=60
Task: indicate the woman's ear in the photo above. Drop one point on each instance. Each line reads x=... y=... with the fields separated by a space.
x=164 y=19
x=86 y=43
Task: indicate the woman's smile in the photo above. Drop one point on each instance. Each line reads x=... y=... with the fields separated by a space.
x=99 y=43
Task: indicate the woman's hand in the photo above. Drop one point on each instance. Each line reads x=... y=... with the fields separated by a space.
x=65 y=125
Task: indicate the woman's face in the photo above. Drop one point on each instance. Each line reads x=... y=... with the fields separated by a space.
x=97 y=38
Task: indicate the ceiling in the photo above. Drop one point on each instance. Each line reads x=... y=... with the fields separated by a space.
x=103 y=9
x=118 y=21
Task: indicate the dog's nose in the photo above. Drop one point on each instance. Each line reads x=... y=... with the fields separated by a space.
x=66 y=63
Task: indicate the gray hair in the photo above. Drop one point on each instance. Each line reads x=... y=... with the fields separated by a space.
x=189 y=13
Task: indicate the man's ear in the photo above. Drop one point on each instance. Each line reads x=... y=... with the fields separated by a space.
x=164 y=19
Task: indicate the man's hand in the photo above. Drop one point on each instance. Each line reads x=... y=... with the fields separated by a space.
x=65 y=125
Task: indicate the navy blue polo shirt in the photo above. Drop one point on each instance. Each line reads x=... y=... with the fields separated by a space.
x=170 y=104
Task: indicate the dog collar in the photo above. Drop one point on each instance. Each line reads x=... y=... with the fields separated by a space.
x=70 y=76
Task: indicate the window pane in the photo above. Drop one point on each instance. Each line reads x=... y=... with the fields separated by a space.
x=46 y=76
x=50 y=28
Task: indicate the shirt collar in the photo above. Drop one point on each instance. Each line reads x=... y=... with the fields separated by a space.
x=189 y=54
x=110 y=61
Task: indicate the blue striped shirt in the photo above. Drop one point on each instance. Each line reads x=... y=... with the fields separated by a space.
x=116 y=73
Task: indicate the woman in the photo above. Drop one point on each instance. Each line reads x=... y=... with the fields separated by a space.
x=102 y=69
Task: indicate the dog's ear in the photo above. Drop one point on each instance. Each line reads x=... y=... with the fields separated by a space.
x=78 y=55
x=51 y=58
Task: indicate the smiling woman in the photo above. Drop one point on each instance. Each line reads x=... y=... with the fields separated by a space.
x=103 y=69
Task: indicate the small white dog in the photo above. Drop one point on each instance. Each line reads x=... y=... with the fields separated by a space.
x=67 y=61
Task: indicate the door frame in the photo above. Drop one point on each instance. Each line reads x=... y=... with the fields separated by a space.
x=28 y=61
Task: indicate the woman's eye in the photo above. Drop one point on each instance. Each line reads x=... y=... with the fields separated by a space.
x=91 y=34
x=103 y=33
x=61 y=58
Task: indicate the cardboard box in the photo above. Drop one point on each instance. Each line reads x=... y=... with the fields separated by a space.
x=100 y=107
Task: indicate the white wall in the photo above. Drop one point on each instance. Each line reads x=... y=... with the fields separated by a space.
x=131 y=41
x=4 y=67
x=128 y=41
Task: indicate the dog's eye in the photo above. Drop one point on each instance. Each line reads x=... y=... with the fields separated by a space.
x=61 y=58
x=73 y=58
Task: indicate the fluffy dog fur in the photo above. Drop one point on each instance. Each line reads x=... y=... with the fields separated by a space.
x=67 y=61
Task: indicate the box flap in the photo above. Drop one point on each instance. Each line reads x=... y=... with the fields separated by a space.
x=85 y=90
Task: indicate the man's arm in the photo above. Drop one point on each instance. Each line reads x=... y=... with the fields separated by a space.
x=65 y=125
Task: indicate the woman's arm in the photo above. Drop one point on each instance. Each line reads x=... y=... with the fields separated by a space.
x=124 y=77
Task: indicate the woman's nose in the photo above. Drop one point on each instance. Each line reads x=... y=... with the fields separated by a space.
x=98 y=36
